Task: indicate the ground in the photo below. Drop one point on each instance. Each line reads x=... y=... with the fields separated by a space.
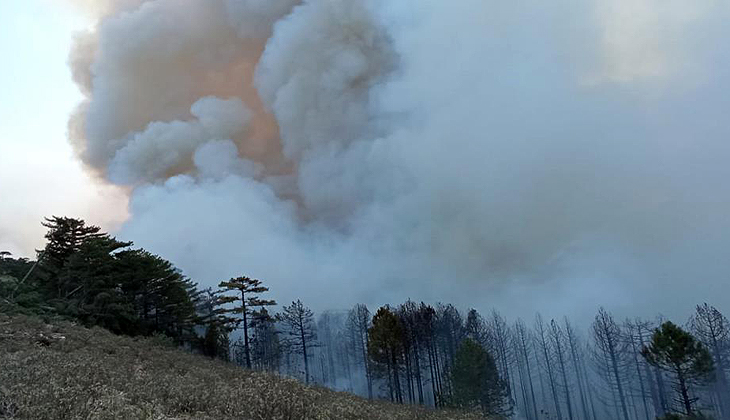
x=58 y=370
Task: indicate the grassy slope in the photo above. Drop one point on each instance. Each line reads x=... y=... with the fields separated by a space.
x=63 y=371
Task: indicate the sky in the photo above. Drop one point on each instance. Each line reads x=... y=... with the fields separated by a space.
x=532 y=156
x=39 y=175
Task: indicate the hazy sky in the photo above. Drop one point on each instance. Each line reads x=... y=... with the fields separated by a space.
x=38 y=174
x=534 y=155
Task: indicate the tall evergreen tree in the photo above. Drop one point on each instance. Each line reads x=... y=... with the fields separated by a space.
x=678 y=353
x=65 y=237
x=245 y=289
x=386 y=348
x=476 y=381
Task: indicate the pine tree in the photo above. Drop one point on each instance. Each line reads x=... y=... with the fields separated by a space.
x=245 y=286
x=265 y=346
x=299 y=323
x=677 y=352
x=217 y=323
x=476 y=381
x=386 y=348
x=65 y=237
x=89 y=287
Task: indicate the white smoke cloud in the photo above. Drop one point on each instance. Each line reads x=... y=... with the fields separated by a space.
x=522 y=156
x=165 y=146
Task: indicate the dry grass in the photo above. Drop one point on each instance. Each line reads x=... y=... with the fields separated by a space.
x=62 y=371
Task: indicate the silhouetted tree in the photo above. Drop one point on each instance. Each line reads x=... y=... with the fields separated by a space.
x=65 y=237
x=358 y=323
x=265 y=345
x=541 y=337
x=299 y=326
x=244 y=287
x=711 y=327
x=609 y=350
x=678 y=353
x=385 y=348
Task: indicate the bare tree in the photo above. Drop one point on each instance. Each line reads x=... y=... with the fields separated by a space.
x=713 y=329
x=556 y=334
x=521 y=339
x=574 y=346
x=609 y=346
x=299 y=323
x=541 y=335
x=358 y=322
x=501 y=336
x=631 y=332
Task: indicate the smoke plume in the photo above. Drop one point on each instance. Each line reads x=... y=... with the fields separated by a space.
x=525 y=156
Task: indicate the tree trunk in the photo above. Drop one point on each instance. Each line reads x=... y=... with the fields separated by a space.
x=686 y=401
x=574 y=356
x=396 y=377
x=431 y=368
x=721 y=388
x=614 y=367
x=634 y=351
x=419 y=384
x=304 y=352
x=529 y=377
x=246 y=347
x=366 y=361
x=565 y=376
x=551 y=378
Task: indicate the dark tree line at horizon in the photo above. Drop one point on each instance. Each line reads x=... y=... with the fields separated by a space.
x=412 y=353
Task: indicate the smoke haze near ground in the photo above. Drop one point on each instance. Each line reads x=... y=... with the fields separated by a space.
x=531 y=156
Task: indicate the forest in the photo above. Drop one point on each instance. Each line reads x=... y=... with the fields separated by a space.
x=418 y=353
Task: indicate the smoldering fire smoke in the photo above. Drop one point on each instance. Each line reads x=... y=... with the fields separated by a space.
x=485 y=153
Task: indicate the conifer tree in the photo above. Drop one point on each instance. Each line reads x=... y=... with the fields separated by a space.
x=247 y=288
x=476 y=382
x=265 y=345
x=385 y=338
x=299 y=323
x=65 y=237
x=678 y=353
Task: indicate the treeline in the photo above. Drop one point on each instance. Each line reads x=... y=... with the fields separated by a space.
x=411 y=353
x=85 y=274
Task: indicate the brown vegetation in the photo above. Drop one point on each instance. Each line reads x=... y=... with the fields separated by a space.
x=58 y=370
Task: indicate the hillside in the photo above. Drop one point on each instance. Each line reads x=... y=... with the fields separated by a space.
x=59 y=370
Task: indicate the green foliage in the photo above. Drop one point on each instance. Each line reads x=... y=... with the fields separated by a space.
x=245 y=289
x=19 y=292
x=476 y=382
x=677 y=352
x=385 y=349
x=85 y=274
x=385 y=337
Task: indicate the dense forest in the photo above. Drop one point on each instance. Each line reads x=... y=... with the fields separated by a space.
x=411 y=353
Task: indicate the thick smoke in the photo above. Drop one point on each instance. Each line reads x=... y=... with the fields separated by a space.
x=526 y=156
